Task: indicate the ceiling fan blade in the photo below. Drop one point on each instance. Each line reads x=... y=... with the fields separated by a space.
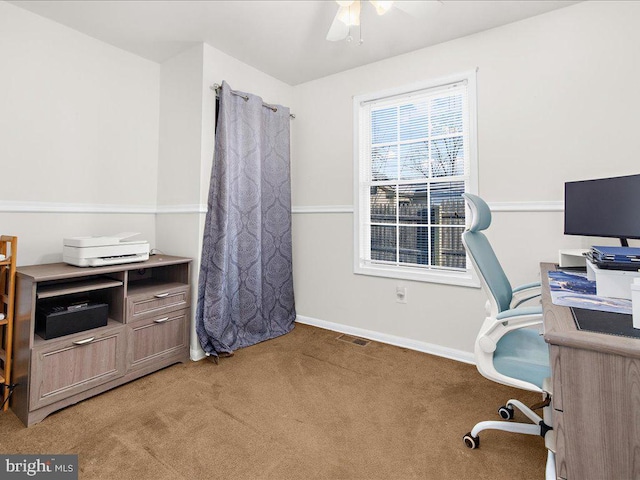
x=338 y=30
x=418 y=9
x=381 y=7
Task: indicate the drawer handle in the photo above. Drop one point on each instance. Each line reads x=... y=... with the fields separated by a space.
x=85 y=341
x=161 y=320
x=162 y=295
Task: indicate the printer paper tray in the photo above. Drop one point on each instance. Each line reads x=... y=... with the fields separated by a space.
x=104 y=261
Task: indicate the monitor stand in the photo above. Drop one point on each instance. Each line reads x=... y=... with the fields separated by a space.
x=573 y=258
x=612 y=283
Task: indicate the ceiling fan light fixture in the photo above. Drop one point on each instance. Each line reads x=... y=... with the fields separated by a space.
x=381 y=7
x=350 y=15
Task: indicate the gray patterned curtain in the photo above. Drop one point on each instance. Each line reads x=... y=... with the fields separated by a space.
x=245 y=292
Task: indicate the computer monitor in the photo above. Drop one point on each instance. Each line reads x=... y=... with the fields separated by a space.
x=604 y=207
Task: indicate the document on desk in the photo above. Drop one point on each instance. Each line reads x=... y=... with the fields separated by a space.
x=575 y=290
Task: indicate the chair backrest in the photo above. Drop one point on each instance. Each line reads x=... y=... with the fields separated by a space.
x=484 y=259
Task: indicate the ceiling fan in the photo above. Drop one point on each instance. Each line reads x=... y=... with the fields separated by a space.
x=348 y=15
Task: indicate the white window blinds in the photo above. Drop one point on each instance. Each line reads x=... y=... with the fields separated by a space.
x=414 y=163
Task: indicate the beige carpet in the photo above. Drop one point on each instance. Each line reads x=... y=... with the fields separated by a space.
x=302 y=406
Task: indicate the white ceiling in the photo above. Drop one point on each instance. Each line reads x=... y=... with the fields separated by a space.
x=285 y=39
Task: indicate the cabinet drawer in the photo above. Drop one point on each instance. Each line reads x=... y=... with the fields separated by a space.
x=62 y=369
x=157 y=301
x=160 y=336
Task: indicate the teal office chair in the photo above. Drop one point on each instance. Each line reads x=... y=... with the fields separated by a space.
x=509 y=348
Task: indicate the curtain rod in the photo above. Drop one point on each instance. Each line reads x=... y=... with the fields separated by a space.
x=216 y=88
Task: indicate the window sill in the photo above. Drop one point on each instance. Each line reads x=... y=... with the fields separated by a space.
x=461 y=279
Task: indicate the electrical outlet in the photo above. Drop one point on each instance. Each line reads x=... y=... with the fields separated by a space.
x=401 y=294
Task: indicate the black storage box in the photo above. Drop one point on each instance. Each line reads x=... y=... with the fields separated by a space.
x=55 y=320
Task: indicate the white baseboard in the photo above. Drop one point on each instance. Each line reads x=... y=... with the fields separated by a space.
x=424 y=347
x=196 y=354
x=453 y=354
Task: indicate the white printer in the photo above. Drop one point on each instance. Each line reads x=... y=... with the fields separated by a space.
x=101 y=251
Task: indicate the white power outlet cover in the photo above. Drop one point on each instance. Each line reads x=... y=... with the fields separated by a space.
x=401 y=294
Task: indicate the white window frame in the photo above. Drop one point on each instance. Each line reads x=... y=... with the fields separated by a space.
x=468 y=277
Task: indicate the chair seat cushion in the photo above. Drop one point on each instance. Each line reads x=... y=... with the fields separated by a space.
x=523 y=354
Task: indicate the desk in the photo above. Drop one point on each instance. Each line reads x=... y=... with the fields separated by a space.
x=596 y=397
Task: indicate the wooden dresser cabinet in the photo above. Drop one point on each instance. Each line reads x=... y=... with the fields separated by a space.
x=147 y=329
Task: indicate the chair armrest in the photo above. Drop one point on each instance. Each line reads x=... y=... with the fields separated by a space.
x=524 y=293
x=516 y=314
x=494 y=328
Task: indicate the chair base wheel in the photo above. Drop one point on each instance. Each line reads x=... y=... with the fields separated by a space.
x=470 y=441
x=506 y=412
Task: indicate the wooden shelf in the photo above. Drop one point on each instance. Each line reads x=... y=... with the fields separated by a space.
x=8 y=250
x=57 y=290
x=152 y=285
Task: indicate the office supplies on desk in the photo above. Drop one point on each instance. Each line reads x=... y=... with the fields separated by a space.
x=615 y=258
x=599 y=321
x=576 y=290
x=616 y=254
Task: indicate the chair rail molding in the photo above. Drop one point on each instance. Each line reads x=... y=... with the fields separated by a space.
x=169 y=209
x=322 y=209
x=8 y=206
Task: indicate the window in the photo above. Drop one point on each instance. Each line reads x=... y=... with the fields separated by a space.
x=415 y=156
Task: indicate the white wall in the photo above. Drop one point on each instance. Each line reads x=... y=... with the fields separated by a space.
x=181 y=106
x=78 y=133
x=557 y=101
